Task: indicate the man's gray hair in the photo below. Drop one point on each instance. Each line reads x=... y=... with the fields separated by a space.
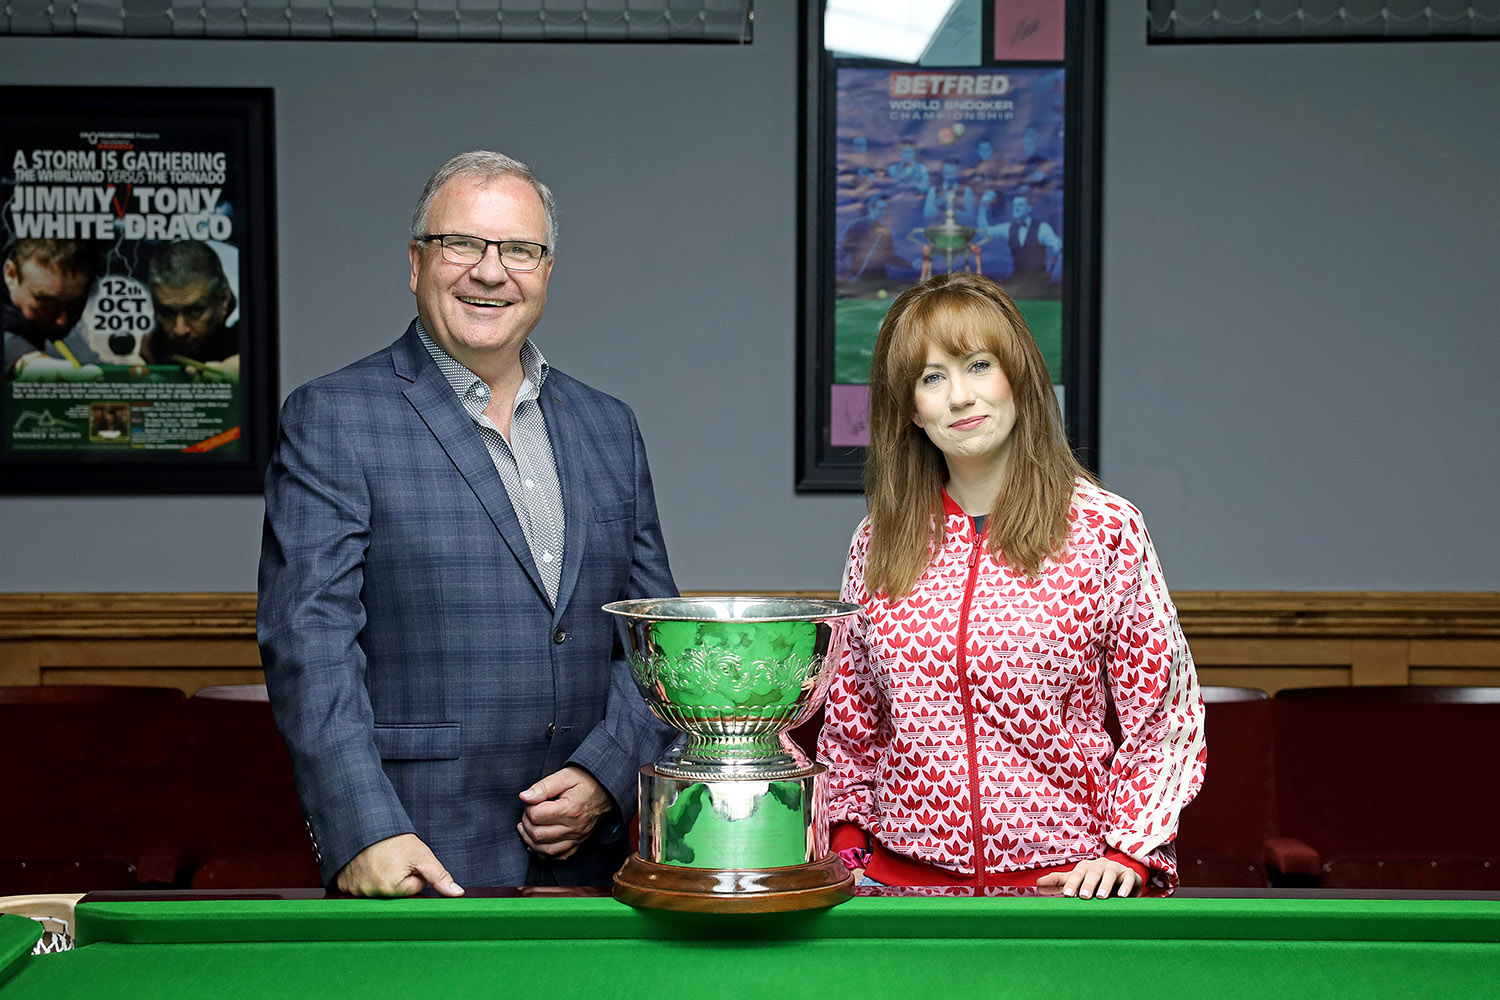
x=483 y=165
x=178 y=265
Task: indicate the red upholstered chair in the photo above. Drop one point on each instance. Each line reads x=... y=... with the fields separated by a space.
x=1227 y=836
x=96 y=785
x=247 y=830
x=88 y=694
x=1395 y=787
x=806 y=735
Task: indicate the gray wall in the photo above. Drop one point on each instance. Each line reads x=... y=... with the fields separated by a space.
x=1295 y=317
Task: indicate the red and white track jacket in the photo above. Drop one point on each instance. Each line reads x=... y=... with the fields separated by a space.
x=965 y=724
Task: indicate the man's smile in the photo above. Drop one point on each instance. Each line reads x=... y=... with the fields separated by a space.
x=474 y=300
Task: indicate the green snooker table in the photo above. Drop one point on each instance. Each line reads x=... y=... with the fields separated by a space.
x=513 y=944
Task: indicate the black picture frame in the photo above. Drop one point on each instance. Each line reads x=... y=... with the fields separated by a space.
x=822 y=466
x=131 y=172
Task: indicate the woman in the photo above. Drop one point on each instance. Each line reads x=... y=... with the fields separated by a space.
x=1003 y=590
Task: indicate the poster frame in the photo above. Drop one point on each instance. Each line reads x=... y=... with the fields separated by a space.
x=250 y=113
x=824 y=468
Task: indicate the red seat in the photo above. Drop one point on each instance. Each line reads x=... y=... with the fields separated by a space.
x=1223 y=833
x=87 y=694
x=247 y=830
x=1395 y=787
x=95 y=790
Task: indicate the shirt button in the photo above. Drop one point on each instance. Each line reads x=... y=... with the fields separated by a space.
x=558 y=636
x=551 y=728
x=530 y=485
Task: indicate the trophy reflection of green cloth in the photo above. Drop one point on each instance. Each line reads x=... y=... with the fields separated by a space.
x=718 y=666
x=774 y=832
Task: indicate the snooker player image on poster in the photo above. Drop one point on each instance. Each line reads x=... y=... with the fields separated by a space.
x=138 y=339
x=942 y=170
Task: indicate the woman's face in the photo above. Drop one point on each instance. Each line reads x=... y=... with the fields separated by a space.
x=965 y=406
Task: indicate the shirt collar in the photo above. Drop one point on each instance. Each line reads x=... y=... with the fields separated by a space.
x=470 y=388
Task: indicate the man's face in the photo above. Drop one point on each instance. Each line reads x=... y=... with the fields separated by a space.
x=481 y=312
x=192 y=311
x=1020 y=208
x=49 y=298
x=985 y=149
x=908 y=155
x=950 y=173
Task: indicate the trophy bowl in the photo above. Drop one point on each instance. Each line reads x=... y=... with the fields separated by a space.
x=733 y=814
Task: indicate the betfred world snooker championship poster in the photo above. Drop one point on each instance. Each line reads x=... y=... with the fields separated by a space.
x=138 y=341
x=942 y=170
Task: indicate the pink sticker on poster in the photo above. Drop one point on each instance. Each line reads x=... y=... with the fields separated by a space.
x=1030 y=29
x=849 y=421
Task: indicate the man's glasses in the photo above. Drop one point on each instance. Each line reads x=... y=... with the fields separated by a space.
x=515 y=255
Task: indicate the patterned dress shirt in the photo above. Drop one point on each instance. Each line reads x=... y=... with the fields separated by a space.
x=525 y=462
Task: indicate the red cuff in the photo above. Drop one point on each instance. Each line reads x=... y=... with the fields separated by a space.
x=1141 y=871
x=846 y=835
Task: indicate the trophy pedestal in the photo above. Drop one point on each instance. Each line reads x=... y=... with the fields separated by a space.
x=733 y=845
x=725 y=890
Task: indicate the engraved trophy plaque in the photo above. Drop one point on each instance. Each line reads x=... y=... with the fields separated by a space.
x=733 y=814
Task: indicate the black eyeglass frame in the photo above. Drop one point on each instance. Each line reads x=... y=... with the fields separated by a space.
x=497 y=244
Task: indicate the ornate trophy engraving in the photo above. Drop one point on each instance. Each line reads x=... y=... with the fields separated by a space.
x=733 y=814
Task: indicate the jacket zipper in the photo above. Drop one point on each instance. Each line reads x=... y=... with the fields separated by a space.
x=975 y=809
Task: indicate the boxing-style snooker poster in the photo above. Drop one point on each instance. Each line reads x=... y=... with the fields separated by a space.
x=949 y=159
x=137 y=303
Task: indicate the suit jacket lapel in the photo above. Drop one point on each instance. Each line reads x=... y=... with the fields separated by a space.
x=438 y=406
x=564 y=428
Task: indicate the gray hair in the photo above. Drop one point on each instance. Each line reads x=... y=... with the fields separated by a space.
x=178 y=265
x=483 y=165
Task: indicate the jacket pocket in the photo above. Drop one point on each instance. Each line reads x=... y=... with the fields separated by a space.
x=423 y=741
x=613 y=511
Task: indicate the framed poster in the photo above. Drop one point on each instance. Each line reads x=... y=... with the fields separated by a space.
x=959 y=136
x=138 y=302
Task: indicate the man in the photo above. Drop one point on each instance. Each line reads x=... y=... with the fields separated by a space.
x=444 y=521
x=47 y=284
x=987 y=169
x=906 y=172
x=193 y=301
x=1035 y=247
x=949 y=187
x=867 y=245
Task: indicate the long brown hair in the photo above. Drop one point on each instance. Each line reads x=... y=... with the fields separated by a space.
x=904 y=471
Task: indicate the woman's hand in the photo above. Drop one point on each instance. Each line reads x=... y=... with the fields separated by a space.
x=1095 y=876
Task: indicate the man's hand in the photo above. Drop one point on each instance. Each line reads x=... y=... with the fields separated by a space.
x=227 y=370
x=396 y=866
x=1087 y=878
x=561 y=811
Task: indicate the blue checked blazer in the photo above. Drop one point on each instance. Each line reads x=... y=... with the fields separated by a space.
x=419 y=676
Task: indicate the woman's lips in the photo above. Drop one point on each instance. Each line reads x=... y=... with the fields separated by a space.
x=967 y=423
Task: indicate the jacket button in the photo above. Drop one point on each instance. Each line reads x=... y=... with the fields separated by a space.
x=551 y=728
x=558 y=636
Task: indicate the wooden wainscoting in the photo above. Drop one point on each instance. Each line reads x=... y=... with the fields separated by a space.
x=1269 y=640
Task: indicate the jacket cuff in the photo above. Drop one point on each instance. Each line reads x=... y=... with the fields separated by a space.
x=1141 y=870
x=611 y=765
x=843 y=836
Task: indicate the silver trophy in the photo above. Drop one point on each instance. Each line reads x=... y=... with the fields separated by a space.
x=733 y=815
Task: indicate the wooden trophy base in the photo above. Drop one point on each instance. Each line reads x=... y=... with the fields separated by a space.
x=726 y=890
